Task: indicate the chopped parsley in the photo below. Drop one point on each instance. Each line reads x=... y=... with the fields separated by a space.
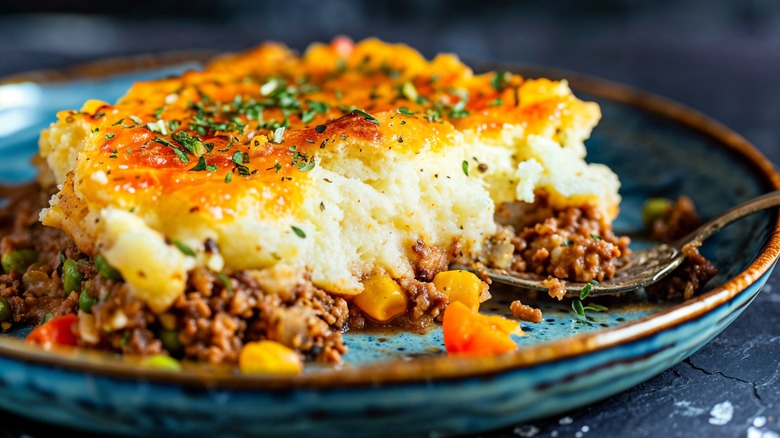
x=314 y=109
x=459 y=110
x=203 y=166
x=404 y=111
x=299 y=232
x=585 y=291
x=465 y=167
x=226 y=281
x=409 y=91
x=158 y=127
x=579 y=309
x=278 y=136
x=272 y=85
x=228 y=177
x=368 y=117
x=109 y=136
x=182 y=156
x=305 y=167
x=186 y=250
x=192 y=144
x=501 y=80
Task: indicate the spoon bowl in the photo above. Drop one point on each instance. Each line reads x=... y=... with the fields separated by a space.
x=640 y=268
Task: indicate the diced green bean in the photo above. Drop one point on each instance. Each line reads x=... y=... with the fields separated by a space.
x=71 y=277
x=86 y=302
x=655 y=208
x=162 y=362
x=170 y=341
x=5 y=310
x=18 y=260
x=106 y=270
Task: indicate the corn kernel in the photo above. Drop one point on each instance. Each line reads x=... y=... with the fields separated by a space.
x=462 y=286
x=382 y=298
x=269 y=357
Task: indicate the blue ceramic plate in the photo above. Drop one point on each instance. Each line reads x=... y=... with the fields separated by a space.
x=399 y=383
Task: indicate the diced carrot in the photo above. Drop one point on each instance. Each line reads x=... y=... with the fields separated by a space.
x=470 y=333
x=57 y=331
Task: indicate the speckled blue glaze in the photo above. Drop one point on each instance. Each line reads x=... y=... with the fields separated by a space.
x=653 y=155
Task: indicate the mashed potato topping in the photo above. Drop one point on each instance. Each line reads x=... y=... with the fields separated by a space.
x=334 y=163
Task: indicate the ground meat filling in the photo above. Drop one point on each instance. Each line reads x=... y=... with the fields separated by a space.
x=209 y=322
x=37 y=293
x=574 y=243
x=676 y=222
x=686 y=280
x=525 y=312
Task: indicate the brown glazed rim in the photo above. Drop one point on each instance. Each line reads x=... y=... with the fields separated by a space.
x=434 y=368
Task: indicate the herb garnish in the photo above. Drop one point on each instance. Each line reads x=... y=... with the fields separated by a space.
x=109 y=136
x=459 y=110
x=409 y=91
x=203 y=166
x=299 y=232
x=226 y=281
x=465 y=167
x=501 y=80
x=579 y=309
x=238 y=159
x=182 y=156
x=405 y=112
x=192 y=144
x=368 y=117
x=305 y=167
x=276 y=166
x=314 y=109
x=278 y=135
x=186 y=250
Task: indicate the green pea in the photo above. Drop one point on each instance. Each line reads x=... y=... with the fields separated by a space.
x=170 y=341
x=655 y=208
x=162 y=362
x=86 y=302
x=5 y=310
x=18 y=260
x=105 y=269
x=71 y=277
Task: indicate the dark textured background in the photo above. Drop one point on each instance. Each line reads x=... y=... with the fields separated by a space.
x=720 y=57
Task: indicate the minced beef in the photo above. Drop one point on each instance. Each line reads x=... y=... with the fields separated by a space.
x=676 y=222
x=573 y=243
x=525 y=312
x=210 y=322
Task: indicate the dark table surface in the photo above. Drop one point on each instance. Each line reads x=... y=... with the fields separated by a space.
x=722 y=58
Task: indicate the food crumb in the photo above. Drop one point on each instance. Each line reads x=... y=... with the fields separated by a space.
x=686 y=280
x=565 y=420
x=721 y=413
x=525 y=312
x=557 y=288
x=526 y=430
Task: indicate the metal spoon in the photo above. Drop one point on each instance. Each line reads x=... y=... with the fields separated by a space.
x=640 y=268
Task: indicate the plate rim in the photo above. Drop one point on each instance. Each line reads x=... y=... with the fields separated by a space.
x=445 y=367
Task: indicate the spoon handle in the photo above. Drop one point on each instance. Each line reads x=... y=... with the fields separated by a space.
x=747 y=208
